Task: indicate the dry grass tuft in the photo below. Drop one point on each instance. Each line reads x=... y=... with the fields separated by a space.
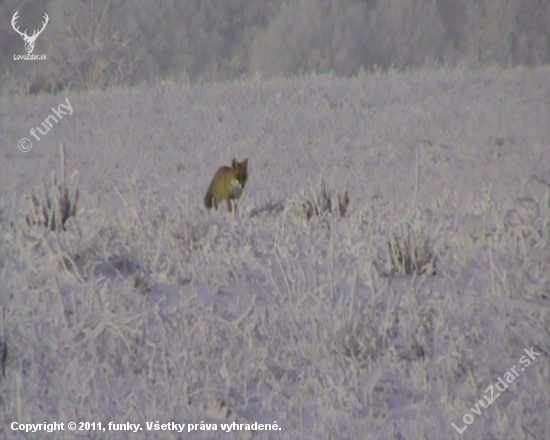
x=57 y=203
x=360 y=343
x=409 y=252
x=268 y=208
x=321 y=203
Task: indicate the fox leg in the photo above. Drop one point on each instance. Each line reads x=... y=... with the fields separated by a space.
x=229 y=207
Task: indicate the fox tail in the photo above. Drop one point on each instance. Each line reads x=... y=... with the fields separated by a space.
x=208 y=199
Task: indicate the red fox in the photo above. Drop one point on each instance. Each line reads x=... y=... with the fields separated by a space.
x=228 y=183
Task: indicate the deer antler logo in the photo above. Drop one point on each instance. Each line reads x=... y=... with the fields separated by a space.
x=29 y=41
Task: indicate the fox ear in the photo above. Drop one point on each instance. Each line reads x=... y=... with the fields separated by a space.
x=245 y=162
x=234 y=163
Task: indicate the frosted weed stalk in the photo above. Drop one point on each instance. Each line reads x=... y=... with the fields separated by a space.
x=57 y=203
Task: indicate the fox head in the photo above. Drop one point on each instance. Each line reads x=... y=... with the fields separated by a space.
x=241 y=169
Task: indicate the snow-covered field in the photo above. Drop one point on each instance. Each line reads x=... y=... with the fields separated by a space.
x=149 y=308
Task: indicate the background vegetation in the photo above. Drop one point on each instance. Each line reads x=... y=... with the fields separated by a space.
x=389 y=261
x=100 y=43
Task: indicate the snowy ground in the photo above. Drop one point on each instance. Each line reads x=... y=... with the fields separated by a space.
x=150 y=308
